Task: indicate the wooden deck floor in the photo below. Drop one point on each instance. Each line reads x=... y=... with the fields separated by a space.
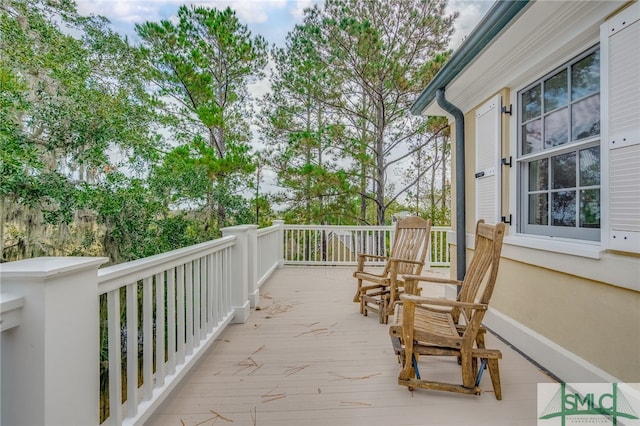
x=307 y=357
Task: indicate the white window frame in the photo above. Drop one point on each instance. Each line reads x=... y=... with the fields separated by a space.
x=591 y=236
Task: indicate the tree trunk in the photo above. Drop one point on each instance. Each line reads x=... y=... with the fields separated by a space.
x=380 y=161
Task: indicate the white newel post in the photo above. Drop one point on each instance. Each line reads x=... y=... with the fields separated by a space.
x=252 y=271
x=280 y=225
x=239 y=272
x=50 y=362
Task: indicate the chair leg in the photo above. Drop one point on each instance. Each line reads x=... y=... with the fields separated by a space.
x=357 y=296
x=494 y=372
x=382 y=310
x=408 y=372
x=468 y=370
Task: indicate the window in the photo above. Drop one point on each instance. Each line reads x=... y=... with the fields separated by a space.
x=559 y=151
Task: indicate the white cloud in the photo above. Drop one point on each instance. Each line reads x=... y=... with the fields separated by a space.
x=120 y=10
x=248 y=11
x=298 y=6
x=471 y=12
x=130 y=11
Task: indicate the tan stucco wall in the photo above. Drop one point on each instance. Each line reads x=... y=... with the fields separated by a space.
x=597 y=322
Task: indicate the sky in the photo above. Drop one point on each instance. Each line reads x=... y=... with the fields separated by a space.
x=272 y=19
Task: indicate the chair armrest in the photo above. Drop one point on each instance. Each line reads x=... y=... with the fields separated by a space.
x=413 y=262
x=442 y=302
x=435 y=280
x=363 y=256
x=366 y=288
x=371 y=256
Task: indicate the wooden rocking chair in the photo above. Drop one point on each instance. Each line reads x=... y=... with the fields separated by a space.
x=407 y=256
x=441 y=327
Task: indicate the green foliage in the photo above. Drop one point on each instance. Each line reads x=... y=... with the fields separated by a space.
x=201 y=66
x=109 y=148
x=73 y=94
x=174 y=231
x=337 y=121
x=302 y=134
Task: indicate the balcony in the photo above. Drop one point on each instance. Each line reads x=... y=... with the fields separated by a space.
x=245 y=339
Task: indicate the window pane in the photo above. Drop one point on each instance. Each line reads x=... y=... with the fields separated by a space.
x=585 y=118
x=538 y=209
x=590 y=166
x=590 y=208
x=556 y=128
x=532 y=137
x=563 y=171
x=531 y=105
x=563 y=208
x=556 y=93
x=538 y=175
x=585 y=76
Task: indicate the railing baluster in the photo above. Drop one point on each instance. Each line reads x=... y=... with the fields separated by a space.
x=147 y=338
x=298 y=245
x=160 y=331
x=197 y=280
x=171 y=321
x=132 y=349
x=226 y=287
x=189 y=308
x=220 y=289
x=115 y=354
x=216 y=304
x=204 y=284
x=181 y=314
x=212 y=284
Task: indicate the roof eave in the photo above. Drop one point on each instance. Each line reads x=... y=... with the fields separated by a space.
x=492 y=24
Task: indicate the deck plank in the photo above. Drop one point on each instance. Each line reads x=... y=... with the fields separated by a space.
x=307 y=357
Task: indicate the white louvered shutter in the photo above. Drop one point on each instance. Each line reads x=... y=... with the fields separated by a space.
x=487 y=171
x=622 y=81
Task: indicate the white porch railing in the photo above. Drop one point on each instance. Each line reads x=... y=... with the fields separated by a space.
x=159 y=315
x=156 y=317
x=340 y=245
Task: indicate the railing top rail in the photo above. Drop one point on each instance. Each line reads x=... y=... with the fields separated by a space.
x=116 y=276
x=355 y=227
x=267 y=230
x=342 y=227
x=9 y=310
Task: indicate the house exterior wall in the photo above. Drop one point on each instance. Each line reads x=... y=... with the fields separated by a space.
x=593 y=320
x=557 y=319
x=560 y=303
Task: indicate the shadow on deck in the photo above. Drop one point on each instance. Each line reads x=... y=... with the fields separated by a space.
x=307 y=357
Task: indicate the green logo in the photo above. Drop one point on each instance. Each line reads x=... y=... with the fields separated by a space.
x=588 y=403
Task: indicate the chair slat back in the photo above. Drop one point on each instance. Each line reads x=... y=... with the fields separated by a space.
x=411 y=243
x=483 y=268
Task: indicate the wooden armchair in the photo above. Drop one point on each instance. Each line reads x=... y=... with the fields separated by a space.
x=407 y=256
x=441 y=327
